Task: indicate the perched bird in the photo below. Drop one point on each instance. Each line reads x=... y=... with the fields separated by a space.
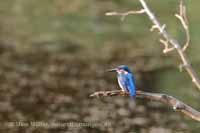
x=125 y=79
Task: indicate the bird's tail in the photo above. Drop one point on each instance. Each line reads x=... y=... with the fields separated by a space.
x=132 y=93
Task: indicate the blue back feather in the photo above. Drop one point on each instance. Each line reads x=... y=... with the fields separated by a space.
x=131 y=84
x=127 y=83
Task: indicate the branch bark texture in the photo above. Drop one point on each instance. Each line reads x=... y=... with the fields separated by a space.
x=158 y=97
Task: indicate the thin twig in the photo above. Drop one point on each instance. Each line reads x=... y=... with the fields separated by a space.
x=123 y=15
x=166 y=44
x=163 y=98
x=184 y=21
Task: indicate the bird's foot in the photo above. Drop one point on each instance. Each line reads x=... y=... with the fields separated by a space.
x=123 y=93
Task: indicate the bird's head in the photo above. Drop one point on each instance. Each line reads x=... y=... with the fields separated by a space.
x=121 y=69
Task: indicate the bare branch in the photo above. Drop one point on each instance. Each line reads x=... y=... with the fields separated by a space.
x=123 y=15
x=163 y=98
x=173 y=42
x=184 y=21
x=161 y=28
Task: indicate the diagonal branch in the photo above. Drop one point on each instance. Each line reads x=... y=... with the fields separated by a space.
x=163 y=98
x=186 y=64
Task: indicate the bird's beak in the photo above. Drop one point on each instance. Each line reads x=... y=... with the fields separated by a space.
x=112 y=70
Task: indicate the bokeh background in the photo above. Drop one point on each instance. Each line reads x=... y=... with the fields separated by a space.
x=54 y=53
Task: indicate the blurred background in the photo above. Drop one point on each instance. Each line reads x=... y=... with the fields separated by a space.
x=54 y=53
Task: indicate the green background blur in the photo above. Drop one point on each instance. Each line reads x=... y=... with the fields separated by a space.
x=54 y=53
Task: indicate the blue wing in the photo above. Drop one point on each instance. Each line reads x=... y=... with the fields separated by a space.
x=127 y=83
x=130 y=83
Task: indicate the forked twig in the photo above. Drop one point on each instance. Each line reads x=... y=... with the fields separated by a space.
x=166 y=44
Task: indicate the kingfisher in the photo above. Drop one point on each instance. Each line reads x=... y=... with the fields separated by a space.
x=126 y=79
